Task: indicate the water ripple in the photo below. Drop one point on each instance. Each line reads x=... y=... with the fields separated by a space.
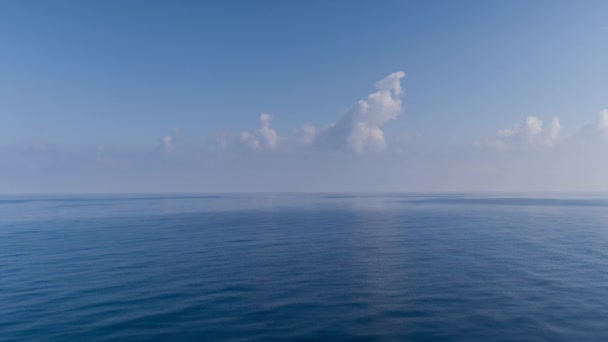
x=316 y=267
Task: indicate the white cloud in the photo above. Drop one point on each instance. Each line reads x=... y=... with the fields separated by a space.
x=532 y=133
x=251 y=141
x=168 y=143
x=263 y=138
x=269 y=136
x=602 y=124
x=554 y=128
x=306 y=134
x=594 y=133
x=360 y=128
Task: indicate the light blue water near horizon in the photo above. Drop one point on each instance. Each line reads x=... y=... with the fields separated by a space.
x=457 y=267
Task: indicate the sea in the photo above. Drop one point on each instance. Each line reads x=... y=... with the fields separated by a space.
x=307 y=267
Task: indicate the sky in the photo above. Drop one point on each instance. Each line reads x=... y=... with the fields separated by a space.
x=315 y=96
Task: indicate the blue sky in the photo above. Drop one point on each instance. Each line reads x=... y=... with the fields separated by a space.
x=155 y=96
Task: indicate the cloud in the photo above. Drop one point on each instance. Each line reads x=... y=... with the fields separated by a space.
x=603 y=121
x=168 y=143
x=596 y=132
x=570 y=165
x=222 y=141
x=532 y=133
x=360 y=128
x=306 y=134
x=263 y=138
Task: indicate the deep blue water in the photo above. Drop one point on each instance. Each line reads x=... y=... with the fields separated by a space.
x=317 y=267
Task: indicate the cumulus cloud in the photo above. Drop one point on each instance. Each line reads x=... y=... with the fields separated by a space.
x=263 y=138
x=360 y=128
x=596 y=132
x=168 y=143
x=532 y=133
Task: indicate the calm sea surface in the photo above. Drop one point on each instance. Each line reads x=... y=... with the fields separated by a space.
x=309 y=267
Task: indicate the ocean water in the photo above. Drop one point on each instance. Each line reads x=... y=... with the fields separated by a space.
x=304 y=267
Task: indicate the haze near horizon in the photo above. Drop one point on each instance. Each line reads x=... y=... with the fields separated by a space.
x=272 y=96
